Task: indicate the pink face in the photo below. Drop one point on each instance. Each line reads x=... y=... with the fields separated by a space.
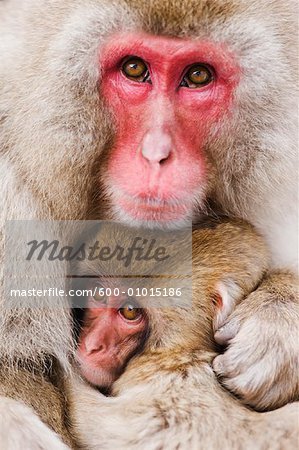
x=112 y=332
x=165 y=94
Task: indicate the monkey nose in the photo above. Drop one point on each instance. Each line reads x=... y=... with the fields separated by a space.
x=92 y=346
x=97 y=341
x=156 y=146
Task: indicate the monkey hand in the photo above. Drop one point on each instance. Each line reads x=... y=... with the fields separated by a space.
x=21 y=428
x=261 y=361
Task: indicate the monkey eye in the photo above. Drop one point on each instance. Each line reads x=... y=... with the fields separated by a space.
x=197 y=76
x=98 y=296
x=135 y=69
x=130 y=311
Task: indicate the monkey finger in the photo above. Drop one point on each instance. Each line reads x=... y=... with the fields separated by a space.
x=227 y=332
x=241 y=387
x=223 y=367
x=218 y=365
x=251 y=386
x=257 y=390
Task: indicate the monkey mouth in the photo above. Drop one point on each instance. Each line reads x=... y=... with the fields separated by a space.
x=98 y=376
x=152 y=211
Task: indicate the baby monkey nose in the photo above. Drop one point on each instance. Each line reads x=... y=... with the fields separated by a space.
x=156 y=146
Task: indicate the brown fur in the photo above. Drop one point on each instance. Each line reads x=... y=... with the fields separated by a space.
x=50 y=404
x=169 y=397
x=54 y=131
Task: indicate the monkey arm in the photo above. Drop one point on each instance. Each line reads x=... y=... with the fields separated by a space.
x=258 y=318
x=21 y=428
x=261 y=364
x=182 y=407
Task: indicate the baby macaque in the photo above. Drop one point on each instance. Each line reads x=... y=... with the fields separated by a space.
x=114 y=329
x=156 y=360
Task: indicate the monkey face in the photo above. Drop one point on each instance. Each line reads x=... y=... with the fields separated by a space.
x=148 y=119
x=113 y=330
x=166 y=95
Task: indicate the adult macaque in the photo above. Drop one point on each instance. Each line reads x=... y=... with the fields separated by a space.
x=155 y=116
x=168 y=396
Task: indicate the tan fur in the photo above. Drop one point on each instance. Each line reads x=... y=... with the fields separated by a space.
x=168 y=397
x=54 y=132
x=21 y=428
x=250 y=373
x=50 y=404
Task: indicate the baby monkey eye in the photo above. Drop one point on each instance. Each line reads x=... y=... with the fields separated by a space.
x=99 y=295
x=135 y=69
x=130 y=311
x=197 y=76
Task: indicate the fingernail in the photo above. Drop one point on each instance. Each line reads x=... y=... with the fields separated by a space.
x=217 y=364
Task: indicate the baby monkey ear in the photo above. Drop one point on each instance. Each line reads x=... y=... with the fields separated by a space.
x=227 y=295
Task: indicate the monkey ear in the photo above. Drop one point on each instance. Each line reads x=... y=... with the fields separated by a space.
x=227 y=293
